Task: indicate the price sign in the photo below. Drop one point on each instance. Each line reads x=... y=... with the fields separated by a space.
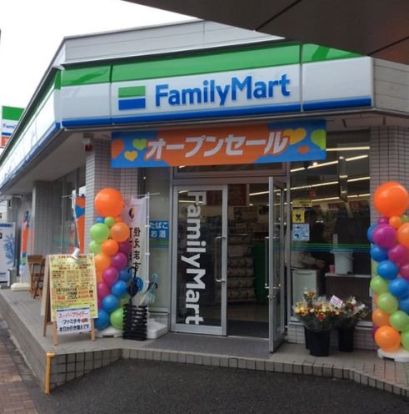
x=72 y=283
x=73 y=320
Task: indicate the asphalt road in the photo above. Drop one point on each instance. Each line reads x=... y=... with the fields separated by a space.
x=157 y=387
x=132 y=386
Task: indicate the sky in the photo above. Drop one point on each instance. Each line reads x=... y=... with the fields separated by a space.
x=32 y=31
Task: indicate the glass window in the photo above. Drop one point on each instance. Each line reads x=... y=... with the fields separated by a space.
x=330 y=216
x=68 y=187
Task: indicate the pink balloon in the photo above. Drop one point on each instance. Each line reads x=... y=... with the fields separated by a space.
x=120 y=260
x=384 y=236
x=404 y=271
x=110 y=276
x=125 y=247
x=399 y=254
x=383 y=220
x=102 y=290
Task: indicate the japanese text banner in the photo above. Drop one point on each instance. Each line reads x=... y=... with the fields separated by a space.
x=250 y=144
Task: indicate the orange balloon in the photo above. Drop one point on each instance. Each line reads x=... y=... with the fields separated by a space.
x=110 y=247
x=387 y=338
x=109 y=202
x=391 y=199
x=120 y=232
x=380 y=318
x=403 y=234
x=395 y=221
x=118 y=219
x=102 y=261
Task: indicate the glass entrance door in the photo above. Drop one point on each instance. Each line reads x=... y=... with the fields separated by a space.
x=199 y=253
x=275 y=247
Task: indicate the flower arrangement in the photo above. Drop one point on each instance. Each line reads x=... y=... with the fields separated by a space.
x=351 y=312
x=316 y=313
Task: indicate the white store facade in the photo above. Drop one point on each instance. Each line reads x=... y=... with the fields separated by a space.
x=260 y=155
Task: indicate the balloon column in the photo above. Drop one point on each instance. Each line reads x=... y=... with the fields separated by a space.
x=110 y=245
x=390 y=249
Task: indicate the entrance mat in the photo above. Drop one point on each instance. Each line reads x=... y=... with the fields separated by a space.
x=240 y=347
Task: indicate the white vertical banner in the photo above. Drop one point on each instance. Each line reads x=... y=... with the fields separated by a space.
x=137 y=220
x=7 y=250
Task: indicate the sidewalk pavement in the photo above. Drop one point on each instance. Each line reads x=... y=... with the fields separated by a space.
x=14 y=395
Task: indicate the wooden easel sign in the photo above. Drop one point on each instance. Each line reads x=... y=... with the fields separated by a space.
x=70 y=301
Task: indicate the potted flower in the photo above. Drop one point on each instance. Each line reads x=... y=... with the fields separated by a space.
x=351 y=312
x=318 y=316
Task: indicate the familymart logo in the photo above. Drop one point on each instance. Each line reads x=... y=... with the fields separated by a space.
x=261 y=87
x=131 y=97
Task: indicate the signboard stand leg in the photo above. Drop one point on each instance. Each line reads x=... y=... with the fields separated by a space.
x=92 y=330
x=47 y=315
x=54 y=333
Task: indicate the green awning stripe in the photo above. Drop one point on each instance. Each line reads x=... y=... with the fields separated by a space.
x=199 y=62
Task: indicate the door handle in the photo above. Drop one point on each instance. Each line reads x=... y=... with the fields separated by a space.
x=266 y=262
x=216 y=239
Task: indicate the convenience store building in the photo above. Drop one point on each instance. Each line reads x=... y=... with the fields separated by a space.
x=260 y=155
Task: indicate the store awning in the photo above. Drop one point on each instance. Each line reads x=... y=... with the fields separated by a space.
x=377 y=28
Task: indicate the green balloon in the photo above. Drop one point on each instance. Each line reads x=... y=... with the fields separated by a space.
x=95 y=247
x=388 y=303
x=99 y=232
x=399 y=320
x=124 y=300
x=404 y=339
x=109 y=221
x=379 y=285
x=117 y=318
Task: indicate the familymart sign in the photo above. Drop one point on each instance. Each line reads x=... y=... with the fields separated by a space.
x=236 y=92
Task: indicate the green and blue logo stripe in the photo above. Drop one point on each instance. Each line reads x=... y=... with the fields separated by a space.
x=131 y=97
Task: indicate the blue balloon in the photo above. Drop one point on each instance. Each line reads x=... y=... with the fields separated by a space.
x=102 y=321
x=370 y=231
x=125 y=274
x=387 y=269
x=378 y=254
x=100 y=220
x=110 y=303
x=404 y=304
x=119 y=288
x=399 y=287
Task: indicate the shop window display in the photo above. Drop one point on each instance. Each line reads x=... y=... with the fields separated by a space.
x=330 y=217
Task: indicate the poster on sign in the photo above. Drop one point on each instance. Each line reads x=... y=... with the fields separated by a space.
x=136 y=218
x=248 y=144
x=69 y=286
x=73 y=320
x=7 y=250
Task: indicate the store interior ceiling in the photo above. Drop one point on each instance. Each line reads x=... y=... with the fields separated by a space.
x=376 y=28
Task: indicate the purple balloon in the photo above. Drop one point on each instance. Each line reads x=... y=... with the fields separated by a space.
x=404 y=271
x=110 y=276
x=383 y=220
x=384 y=236
x=102 y=290
x=125 y=247
x=119 y=261
x=399 y=254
